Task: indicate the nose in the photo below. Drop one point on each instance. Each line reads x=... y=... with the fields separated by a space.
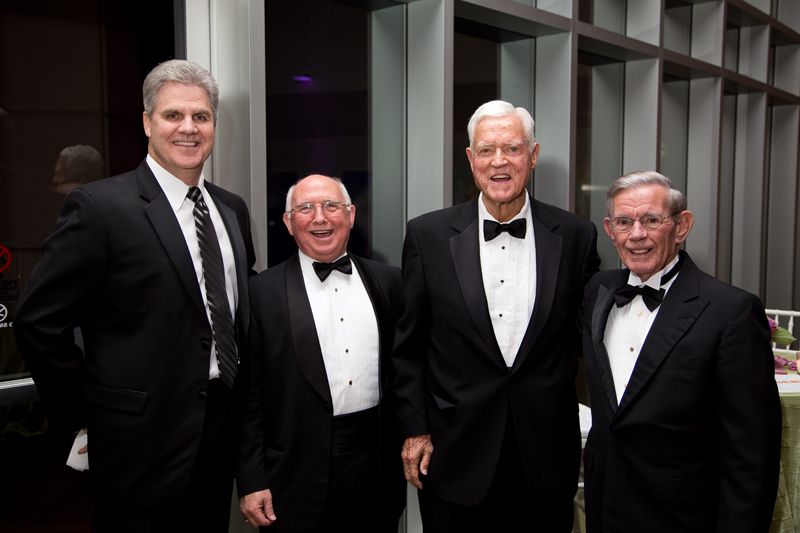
x=319 y=215
x=188 y=125
x=499 y=158
x=638 y=232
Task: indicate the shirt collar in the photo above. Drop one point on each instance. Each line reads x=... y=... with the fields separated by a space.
x=174 y=189
x=654 y=280
x=483 y=213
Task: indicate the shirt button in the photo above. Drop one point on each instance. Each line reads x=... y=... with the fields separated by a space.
x=350 y=382
x=502 y=281
x=631 y=348
x=347 y=350
x=341 y=319
x=501 y=315
x=503 y=247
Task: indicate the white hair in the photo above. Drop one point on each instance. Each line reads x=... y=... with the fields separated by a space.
x=500 y=108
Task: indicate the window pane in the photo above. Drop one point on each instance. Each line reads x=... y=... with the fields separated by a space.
x=320 y=118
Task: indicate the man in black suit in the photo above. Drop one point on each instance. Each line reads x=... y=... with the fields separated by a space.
x=319 y=448
x=686 y=422
x=152 y=265
x=486 y=350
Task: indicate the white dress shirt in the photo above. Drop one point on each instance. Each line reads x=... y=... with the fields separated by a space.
x=508 y=268
x=175 y=191
x=347 y=330
x=627 y=328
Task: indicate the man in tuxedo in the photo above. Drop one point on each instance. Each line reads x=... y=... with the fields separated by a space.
x=486 y=349
x=319 y=450
x=152 y=266
x=686 y=422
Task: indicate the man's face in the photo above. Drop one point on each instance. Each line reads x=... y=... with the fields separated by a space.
x=646 y=251
x=501 y=161
x=320 y=235
x=181 y=130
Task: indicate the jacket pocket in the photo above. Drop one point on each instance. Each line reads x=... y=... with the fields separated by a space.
x=116 y=398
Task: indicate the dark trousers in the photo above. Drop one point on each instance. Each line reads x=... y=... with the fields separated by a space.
x=509 y=507
x=205 y=505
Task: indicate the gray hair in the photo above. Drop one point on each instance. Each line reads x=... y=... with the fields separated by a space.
x=290 y=193
x=82 y=163
x=179 y=71
x=676 y=201
x=500 y=108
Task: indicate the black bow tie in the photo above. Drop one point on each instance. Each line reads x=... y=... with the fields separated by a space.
x=515 y=228
x=324 y=270
x=652 y=297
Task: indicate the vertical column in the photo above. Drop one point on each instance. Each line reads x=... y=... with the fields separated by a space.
x=387 y=130
x=642 y=79
x=781 y=212
x=702 y=168
x=554 y=80
x=430 y=105
x=748 y=192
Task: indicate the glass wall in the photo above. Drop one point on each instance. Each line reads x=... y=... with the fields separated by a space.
x=329 y=110
x=70 y=111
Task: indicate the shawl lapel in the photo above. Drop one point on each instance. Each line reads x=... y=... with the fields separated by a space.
x=304 y=332
x=465 y=253
x=600 y=312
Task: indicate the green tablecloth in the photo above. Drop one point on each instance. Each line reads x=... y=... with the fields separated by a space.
x=786 y=518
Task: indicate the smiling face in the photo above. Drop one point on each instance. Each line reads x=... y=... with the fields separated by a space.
x=181 y=130
x=322 y=236
x=501 y=163
x=644 y=251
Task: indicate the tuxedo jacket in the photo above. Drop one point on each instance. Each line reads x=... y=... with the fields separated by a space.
x=118 y=267
x=452 y=381
x=694 y=444
x=286 y=432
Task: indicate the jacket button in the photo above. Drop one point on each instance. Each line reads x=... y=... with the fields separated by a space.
x=203 y=394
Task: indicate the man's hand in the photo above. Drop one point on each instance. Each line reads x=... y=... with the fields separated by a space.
x=257 y=508
x=85 y=448
x=416 y=455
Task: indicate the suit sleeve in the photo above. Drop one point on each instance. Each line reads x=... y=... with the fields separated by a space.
x=410 y=352
x=251 y=469
x=58 y=296
x=750 y=418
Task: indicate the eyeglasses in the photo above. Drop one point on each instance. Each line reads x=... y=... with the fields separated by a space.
x=329 y=206
x=488 y=151
x=649 y=221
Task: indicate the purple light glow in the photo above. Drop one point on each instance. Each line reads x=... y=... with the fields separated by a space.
x=302 y=78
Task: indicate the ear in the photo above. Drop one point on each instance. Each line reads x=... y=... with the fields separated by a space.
x=607 y=227
x=684 y=226
x=287 y=221
x=469 y=157
x=535 y=155
x=352 y=215
x=146 y=123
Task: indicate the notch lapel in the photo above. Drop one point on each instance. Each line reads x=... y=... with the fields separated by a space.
x=165 y=224
x=678 y=312
x=465 y=253
x=304 y=332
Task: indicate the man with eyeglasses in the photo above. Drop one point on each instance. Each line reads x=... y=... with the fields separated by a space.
x=686 y=421
x=319 y=450
x=487 y=347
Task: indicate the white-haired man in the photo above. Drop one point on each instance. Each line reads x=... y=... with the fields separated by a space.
x=486 y=349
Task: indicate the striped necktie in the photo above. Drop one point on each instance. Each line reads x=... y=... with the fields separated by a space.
x=216 y=295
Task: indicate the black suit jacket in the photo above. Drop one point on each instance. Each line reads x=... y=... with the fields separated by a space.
x=286 y=432
x=118 y=267
x=694 y=444
x=452 y=381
